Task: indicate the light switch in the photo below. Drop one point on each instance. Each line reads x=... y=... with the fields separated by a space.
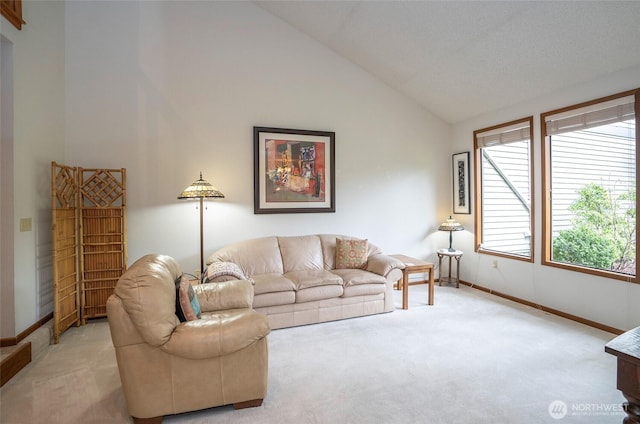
x=25 y=224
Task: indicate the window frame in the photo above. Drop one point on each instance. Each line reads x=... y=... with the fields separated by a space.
x=547 y=236
x=12 y=11
x=478 y=192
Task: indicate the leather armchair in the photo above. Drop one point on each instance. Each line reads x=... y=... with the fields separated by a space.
x=169 y=367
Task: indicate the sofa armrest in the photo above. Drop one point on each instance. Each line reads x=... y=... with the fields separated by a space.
x=383 y=264
x=232 y=294
x=217 y=335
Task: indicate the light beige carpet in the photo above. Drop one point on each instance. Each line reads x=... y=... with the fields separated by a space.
x=470 y=358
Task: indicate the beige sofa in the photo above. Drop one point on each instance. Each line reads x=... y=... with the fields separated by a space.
x=167 y=366
x=303 y=280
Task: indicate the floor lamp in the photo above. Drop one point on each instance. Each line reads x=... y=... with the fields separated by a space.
x=201 y=189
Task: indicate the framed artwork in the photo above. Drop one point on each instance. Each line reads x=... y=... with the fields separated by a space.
x=461 y=183
x=294 y=170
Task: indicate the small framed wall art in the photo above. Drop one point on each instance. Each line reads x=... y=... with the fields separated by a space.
x=294 y=170
x=461 y=183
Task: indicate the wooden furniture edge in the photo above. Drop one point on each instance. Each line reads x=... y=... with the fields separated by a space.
x=626 y=349
x=626 y=346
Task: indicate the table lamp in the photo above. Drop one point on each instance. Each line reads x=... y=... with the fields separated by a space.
x=450 y=225
x=201 y=189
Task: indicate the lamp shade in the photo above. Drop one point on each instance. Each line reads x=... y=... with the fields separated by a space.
x=450 y=225
x=201 y=189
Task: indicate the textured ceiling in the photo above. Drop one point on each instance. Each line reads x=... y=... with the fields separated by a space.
x=460 y=59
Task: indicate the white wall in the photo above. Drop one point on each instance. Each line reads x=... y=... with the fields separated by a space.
x=168 y=89
x=38 y=131
x=603 y=300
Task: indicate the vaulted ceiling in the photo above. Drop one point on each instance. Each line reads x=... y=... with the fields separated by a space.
x=460 y=59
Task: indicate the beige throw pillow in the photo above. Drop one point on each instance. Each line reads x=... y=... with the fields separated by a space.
x=351 y=253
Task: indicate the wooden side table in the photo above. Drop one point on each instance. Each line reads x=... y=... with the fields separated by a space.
x=451 y=254
x=414 y=266
x=626 y=348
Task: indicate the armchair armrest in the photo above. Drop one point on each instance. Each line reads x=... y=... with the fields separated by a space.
x=382 y=264
x=232 y=294
x=220 y=334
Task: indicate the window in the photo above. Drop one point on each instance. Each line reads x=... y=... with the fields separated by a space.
x=504 y=181
x=589 y=186
x=12 y=11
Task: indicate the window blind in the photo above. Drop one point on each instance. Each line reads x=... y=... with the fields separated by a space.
x=513 y=133
x=616 y=110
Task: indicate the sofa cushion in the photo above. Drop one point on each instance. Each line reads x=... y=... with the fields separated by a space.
x=363 y=290
x=187 y=305
x=255 y=256
x=351 y=253
x=301 y=253
x=274 y=299
x=312 y=278
x=271 y=283
x=318 y=293
x=353 y=277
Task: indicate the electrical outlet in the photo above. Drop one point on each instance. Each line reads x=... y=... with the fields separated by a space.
x=25 y=224
x=495 y=264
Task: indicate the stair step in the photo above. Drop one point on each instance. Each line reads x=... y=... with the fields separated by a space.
x=14 y=358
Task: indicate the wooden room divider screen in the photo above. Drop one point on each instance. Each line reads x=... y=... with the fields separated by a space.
x=89 y=241
x=103 y=237
x=66 y=277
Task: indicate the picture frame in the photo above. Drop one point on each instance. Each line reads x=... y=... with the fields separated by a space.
x=461 y=183
x=294 y=171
